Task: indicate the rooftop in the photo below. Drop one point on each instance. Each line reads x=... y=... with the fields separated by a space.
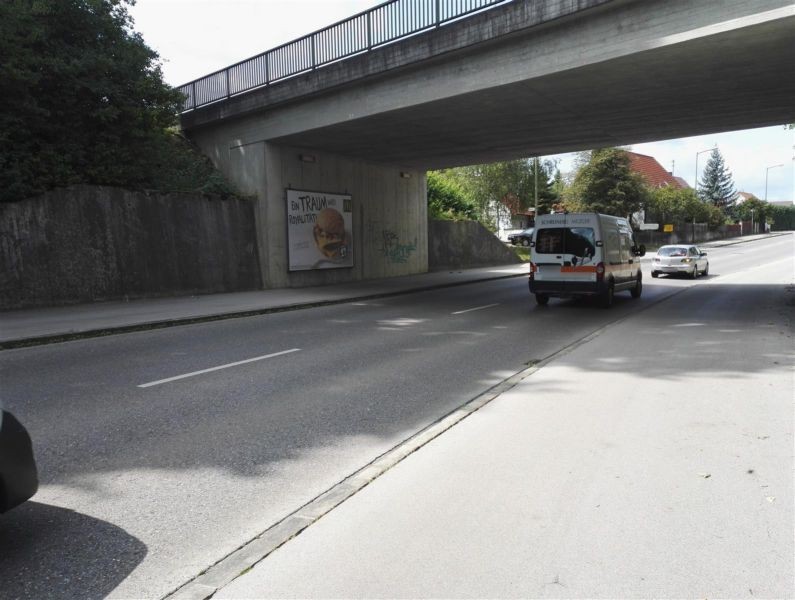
x=653 y=172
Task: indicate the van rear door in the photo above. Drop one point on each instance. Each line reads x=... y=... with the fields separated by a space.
x=565 y=253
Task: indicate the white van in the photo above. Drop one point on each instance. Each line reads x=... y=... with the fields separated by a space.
x=584 y=254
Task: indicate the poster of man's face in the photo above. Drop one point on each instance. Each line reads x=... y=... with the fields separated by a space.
x=319 y=230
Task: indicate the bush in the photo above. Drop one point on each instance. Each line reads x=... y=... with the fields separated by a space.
x=447 y=199
x=673 y=205
x=783 y=218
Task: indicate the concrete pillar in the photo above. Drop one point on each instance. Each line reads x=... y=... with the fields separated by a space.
x=390 y=220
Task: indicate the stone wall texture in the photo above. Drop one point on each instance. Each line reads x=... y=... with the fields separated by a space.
x=465 y=244
x=87 y=243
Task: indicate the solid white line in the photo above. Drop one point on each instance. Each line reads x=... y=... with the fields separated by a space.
x=234 y=364
x=461 y=312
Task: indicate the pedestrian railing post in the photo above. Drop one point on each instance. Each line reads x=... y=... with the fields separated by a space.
x=312 y=39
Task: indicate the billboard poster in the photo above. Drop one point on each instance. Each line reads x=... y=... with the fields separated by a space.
x=319 y=229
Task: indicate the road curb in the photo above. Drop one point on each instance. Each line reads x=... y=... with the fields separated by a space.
x=245 y=557
x=177 y=322
x=240 y=561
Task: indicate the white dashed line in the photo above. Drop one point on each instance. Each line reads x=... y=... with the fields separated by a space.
x=234 y=364
x=461 y=312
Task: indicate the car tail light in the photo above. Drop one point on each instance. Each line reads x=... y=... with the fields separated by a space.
x=600 y=271
x=687 y=260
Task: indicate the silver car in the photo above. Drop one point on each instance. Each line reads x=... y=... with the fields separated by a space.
x=680 y=259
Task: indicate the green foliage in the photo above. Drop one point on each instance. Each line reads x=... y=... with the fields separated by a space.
x=522 y=252
x=509 y=185
x=674 y=205
x=447 y=198
x=606 y=184
x=716 y=185
x=782 y=217
x=82 y=99
x=761 y=210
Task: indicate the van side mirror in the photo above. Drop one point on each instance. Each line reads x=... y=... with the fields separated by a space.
x=639 y=250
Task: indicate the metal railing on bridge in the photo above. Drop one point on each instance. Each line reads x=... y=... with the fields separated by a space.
x=378 y=26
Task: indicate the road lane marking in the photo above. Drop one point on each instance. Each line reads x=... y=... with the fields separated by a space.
x=234 y=364
x=461 y=312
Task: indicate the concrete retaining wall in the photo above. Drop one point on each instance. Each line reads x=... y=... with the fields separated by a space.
x=84 y=243
x=464 y=244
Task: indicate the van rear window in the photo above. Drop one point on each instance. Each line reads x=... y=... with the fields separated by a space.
x=578 y=241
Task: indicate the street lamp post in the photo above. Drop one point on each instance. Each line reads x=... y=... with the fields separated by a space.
x=767 y=171
x=752 y=222
x=695 y=181
x=535 y=195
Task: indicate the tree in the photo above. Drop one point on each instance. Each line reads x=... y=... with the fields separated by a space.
x=82 y=98
x=761 y=211
x=504 y=186
x=550 y=183
x=671 y=205
x=605 y=184
x=447 y=199
x=716 y=186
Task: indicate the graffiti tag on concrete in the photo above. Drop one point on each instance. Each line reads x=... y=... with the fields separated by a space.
x=393 y=250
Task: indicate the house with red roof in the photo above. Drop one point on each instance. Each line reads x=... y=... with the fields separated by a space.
x=653 y=172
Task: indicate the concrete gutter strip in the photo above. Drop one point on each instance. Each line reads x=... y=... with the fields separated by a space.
x=240 y=561
x=244 y=558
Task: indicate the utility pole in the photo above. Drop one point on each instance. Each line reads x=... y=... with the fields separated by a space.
x=535 y=181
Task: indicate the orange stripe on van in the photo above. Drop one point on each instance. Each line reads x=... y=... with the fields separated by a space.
x=587 y=269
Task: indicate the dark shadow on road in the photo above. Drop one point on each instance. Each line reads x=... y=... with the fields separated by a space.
x=55 y=553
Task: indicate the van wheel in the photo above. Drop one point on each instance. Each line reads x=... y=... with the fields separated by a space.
x=638 y=289
x=607 y=297
x=542 y=299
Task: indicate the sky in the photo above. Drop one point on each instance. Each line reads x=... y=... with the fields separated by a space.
x=197 y=37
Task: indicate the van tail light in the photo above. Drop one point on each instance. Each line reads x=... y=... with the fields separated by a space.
x=600 y=272
x=533 y=269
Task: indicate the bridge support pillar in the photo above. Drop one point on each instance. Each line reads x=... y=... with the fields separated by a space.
x=389 y=221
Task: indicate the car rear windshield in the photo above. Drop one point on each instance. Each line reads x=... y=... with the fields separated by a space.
x=578 y=241
x=672 y=251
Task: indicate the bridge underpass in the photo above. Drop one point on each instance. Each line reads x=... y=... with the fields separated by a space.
x=521 y=79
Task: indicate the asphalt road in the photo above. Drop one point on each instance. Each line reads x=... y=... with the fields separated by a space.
x=161 y=452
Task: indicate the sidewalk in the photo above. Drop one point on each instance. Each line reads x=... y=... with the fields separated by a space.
x=45 y=325
x=602 y=472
